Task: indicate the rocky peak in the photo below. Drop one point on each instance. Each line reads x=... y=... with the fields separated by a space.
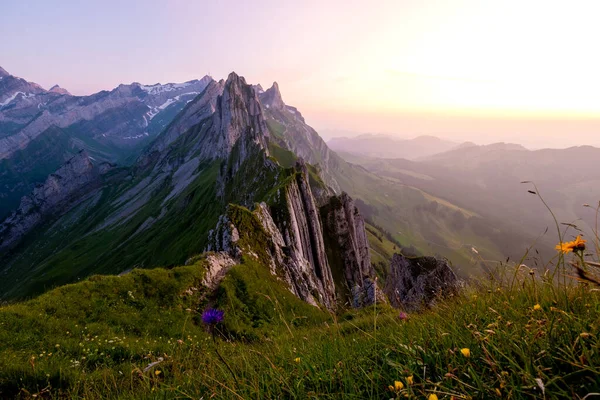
x=271 y=98
x=240 y=115
x=418 y=282
x=3 y=73
x=59 y=90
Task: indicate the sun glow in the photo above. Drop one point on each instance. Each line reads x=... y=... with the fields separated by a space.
x=521 y=58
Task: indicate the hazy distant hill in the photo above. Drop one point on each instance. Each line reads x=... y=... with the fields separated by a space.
x=389 y=147
x=487 y=179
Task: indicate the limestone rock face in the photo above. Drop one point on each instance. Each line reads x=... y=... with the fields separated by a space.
x=294 y=247
x=60 y=190
x=418 y=282
x=345 y=229
x=294 y=233
x=271 y=98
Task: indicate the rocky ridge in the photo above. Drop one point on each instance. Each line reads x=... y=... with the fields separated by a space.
x=314 y=242
x=295 y=241
x=120 y=117
x=61 y=191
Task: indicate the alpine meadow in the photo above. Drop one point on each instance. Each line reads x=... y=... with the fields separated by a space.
x=434 y=236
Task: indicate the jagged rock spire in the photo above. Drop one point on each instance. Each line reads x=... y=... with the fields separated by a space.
x=271 y=98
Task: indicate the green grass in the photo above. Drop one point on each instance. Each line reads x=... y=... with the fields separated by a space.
x=94 y=339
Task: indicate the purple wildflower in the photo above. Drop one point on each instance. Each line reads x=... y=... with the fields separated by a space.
x=403 y=315
x=212 y=316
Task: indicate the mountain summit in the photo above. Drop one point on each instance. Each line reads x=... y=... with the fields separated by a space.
x=3 y=73
x=59 y=90
x=272 y=97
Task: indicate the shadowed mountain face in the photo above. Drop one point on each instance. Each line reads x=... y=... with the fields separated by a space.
x=41 y=129
x=389 y=147
x=208 y=182
x=231 y=147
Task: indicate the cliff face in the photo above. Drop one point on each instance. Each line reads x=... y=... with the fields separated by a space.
x=205 y=170
x=417 y=282
x=348 y=244
x=300 y=242
x=60 y=191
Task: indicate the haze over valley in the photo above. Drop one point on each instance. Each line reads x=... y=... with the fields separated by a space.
x=318 y=200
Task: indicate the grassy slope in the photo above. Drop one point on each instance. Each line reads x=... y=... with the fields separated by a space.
x=180 y=233
x=398 y=208
x=26 y=167
x=94 y=339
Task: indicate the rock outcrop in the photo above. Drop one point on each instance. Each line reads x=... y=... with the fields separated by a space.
x=60 y=191
x=287 y=237
x=303 y=245
x=348 y=243
x=418 y=282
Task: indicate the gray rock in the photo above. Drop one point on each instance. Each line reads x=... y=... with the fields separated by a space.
x=418 y=282
x=345 y=229
x=124 y=114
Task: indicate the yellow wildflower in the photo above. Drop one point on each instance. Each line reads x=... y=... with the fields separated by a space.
x=409 y=380
x=576 y=245
x=432 y=396
x=466 y=352
x=537 y=307
x=398 y=386
x=297 y=360
x=157 y=372
x=564 y=247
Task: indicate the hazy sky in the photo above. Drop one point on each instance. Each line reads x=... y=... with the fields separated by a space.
x=521 y=71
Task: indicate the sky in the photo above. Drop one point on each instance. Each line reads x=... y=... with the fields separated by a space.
x=486 y=71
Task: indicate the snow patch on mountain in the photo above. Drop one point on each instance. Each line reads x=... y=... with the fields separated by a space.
x=14 y=96
x=169 y=87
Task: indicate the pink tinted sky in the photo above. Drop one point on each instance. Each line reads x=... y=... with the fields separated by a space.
x=485 y=71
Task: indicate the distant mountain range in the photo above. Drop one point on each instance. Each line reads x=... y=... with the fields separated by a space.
x=383 y=146
x=487 y=179
x=41 y=129
x=233 y=170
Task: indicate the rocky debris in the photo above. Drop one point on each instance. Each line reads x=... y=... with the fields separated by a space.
x=57 y=193
x=418 y=282
x=345 y=229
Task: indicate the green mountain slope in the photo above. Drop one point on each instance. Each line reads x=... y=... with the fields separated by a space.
x=416 y=218
x=141 y=336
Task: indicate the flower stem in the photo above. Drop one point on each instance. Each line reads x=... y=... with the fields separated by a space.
x=221 y=357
